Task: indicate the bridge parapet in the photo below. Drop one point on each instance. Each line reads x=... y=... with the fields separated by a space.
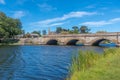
x=83 y=35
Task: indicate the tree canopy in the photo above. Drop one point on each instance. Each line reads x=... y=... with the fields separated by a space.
x=37 y=32
x=84 y=29
x=75 y=30
x=9 y=27
x=58 y=29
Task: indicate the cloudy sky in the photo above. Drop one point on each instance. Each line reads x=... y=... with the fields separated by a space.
x=41 y=14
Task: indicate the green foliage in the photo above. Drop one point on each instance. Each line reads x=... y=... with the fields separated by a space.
x=75 y=29
x=9 y=27
x=95 y=66
x=84 y=29
x=83 y=60
x=37 y=32
x=58 y=29
x=9 y=41
x=62 y=30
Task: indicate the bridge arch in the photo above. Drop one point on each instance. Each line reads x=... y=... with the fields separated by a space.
x=96 y=42
x=52 y=42
x=74 y=41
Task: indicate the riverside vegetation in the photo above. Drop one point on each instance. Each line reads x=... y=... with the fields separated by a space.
x=9 y=28
x=91 y=65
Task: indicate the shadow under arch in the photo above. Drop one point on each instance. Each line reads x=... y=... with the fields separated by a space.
x=97 y=42
x=72 y=42
x=52 y=42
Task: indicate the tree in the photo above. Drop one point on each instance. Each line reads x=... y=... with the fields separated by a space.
x=9 y=27
x=66 y=30
x=71 y=31
x=23 y=32
x=84 y=29
x=44 y=32
x=2 y=33
x=75 y=29
x=27 y=35
x=58 y=29
x=13 y=27
x=37 y=32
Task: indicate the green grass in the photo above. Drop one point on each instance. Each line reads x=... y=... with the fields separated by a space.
x=92 y=66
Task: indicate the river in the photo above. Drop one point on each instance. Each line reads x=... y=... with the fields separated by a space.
x=35 y=62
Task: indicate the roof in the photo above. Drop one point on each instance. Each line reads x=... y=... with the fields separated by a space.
x=34 y=34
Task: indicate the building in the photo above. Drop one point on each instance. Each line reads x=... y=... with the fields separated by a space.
x=34 y=35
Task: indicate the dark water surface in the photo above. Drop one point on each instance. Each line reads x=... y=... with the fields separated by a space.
x=37 y=62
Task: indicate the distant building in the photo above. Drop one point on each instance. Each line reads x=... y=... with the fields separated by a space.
x=34 y=35
x=52 y=33
x=27 y=36
x=19 y=36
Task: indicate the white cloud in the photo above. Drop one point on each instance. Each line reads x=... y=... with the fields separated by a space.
x=115 y=20
x=101 y=23
x=46 y=7
x=2 y=1
x=56 y=24
x=77 y=14
x=49 y=25
x=19 y=14
x=90 y=6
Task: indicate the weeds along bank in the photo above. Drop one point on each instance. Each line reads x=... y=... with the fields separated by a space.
x=91 y=65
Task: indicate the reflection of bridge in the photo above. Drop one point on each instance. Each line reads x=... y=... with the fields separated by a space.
x=86 y=39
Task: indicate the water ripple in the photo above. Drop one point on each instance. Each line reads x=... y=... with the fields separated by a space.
x=36 y=62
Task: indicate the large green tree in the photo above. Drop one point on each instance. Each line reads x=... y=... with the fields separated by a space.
x=84 y=29
x=75 y=29
x=58 y=29
x=9 y=27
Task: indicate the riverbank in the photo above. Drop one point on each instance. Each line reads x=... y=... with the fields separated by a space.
x=92 y=66
x=3 y=44
x=20 y=42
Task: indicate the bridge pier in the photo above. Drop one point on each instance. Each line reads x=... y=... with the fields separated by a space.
x=61 y=43
x=87 y=44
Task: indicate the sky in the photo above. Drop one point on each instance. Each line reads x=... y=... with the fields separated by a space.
x=98 y=15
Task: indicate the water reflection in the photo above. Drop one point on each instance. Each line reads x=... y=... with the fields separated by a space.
x=37 y=62
x=108 y=45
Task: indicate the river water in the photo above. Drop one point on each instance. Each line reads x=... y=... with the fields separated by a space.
x=37 y=62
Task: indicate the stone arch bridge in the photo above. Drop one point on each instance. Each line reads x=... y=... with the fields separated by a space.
x=86 y=39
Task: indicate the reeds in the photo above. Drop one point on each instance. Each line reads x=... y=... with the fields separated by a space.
x=85 y=60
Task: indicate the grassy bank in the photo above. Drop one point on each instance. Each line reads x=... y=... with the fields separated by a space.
x=91 y=66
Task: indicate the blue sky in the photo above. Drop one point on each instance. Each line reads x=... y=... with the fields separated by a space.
x=41 y=14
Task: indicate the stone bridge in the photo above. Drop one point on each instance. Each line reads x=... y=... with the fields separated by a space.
x=86 y=39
